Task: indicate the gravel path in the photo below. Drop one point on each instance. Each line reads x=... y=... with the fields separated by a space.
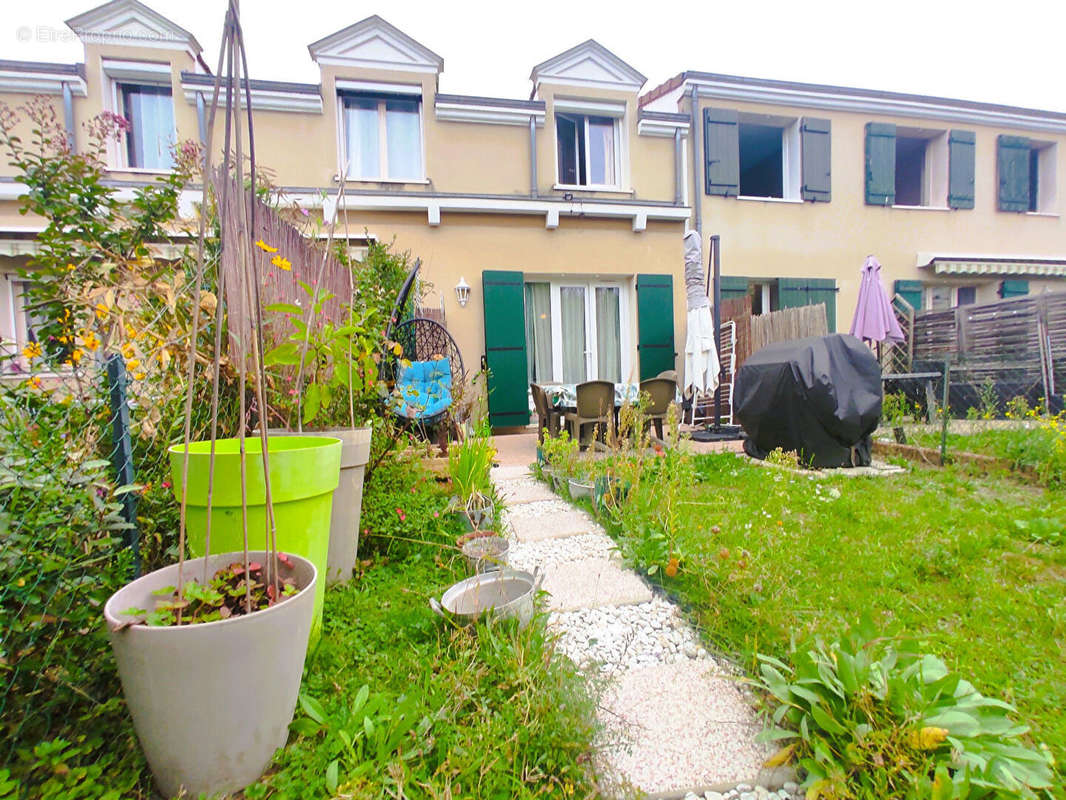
x=674 y=719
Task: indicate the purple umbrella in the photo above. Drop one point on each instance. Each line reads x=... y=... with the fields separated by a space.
x=874 y=320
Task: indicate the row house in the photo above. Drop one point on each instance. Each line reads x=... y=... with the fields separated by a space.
x=564 y=212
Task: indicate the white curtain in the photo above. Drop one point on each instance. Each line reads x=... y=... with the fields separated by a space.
x=601 y=151
x=572 y=316
x=404 y=139
x=539 y=332
x=608 y=334
x=364 y=146
x=150 y=110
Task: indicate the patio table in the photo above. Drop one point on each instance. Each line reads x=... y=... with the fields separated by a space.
x=563 y=396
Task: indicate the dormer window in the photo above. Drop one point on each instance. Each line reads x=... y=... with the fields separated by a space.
x=588 y=150
x=382 y=136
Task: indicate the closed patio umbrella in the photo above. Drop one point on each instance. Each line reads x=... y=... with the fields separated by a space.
x=874 y=320
x=701 y=357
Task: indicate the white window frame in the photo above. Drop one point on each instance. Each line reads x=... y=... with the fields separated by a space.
x=383 y=142
x=135 y=73
x=791 y=156
x=1046 y=177
x=586 y=109
x=591 y=357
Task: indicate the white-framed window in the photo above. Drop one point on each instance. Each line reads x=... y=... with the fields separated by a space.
x=769 y=157
x=142 y=93
x=1042 y=178
x=17 y=324
x=150 y=112
x=588 y=150
x=577 y=330
x=941 y=297
x=382 y=136
x=921 y=168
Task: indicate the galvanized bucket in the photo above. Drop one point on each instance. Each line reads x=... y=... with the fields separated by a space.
x=502 y=594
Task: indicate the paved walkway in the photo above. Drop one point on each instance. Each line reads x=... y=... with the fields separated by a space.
x=674 y=719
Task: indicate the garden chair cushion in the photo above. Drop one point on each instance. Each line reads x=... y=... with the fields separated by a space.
x=424 y=388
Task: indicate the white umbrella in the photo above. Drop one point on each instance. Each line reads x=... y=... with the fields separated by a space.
x=701 y=357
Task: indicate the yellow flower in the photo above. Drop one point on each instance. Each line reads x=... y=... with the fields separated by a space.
x=101 y=311
x=128 y=351
x=138 y=376
x=281 y=263
x=928 y=738
x=133 y=363
x=70 y=267
x=34 y=382
x=75 y=357
x=131 y=332
x=265 y=247
x=90 y=341
x=32 y=351
x=397 y=349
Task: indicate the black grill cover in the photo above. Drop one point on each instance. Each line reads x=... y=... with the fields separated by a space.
x=819 y=396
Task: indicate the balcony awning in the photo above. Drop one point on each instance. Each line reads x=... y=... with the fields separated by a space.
x=993 y=266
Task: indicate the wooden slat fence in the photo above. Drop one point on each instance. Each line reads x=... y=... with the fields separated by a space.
x=788 y=324
x=277 y=284
x=999 y=343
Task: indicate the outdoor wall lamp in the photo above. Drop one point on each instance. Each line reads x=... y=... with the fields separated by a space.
x=462 y=292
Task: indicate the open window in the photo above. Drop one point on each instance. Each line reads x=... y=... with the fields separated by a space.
x=382 y=136
x=921 y=167
x=1042 y=177
x=769 y=157
x=587 y=150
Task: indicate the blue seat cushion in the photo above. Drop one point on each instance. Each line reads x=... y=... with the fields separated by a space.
x=424 y=388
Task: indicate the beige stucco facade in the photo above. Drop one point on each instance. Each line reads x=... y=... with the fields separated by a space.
x=489 y=194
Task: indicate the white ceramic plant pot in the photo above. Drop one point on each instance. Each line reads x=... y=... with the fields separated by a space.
x=211 y=702
x=347 y=499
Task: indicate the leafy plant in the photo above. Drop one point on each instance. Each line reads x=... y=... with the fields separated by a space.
x=1042 y=530
x=469 y=463
x=561 y=452
x=230 y=593
x=866 y=717
x=895 y=408
x=339 y=360
x=782 y=458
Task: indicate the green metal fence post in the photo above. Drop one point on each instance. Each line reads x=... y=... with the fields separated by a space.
x=944 y=413
x=122 y=452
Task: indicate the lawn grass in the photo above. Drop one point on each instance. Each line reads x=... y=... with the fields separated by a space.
x=772 y=556
x=491 y=715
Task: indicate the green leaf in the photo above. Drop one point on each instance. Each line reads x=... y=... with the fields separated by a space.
x=360 y=698
x=287 y=354
x=313 y=708
x=285 y=308
x=333 y=776
x=312 y=402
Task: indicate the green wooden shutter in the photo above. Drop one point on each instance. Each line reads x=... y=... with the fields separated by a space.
x=1016 y=288
x=816 y=149
x=655 y=324
x=794 y=292
x=1012 y=162
x=911 y=291
x=731 y=286
x=961 y=149
x=505 y=347
x=880 y=164
x=721 y=151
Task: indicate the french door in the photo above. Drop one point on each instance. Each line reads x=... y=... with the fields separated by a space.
x=575 y=330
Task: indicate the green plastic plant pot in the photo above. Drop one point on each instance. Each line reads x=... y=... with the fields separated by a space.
x=304 y=471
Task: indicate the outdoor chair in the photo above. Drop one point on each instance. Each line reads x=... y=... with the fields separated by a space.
x=548 y=418
x=595 y=406
x=662 y=392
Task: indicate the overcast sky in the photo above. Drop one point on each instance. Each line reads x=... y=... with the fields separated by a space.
x=999 y=52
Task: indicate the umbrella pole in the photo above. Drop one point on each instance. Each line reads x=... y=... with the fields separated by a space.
x=716 y=244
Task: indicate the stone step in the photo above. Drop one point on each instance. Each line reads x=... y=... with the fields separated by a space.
x=516 y=491
x=591 y=583
x=548 y=552
x=506 y=472
x=548 y=519
x=672 y=727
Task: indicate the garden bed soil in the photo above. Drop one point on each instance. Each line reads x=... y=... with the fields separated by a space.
x=931 y=456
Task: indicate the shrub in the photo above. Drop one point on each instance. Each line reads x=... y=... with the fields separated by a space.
x=867 y=718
